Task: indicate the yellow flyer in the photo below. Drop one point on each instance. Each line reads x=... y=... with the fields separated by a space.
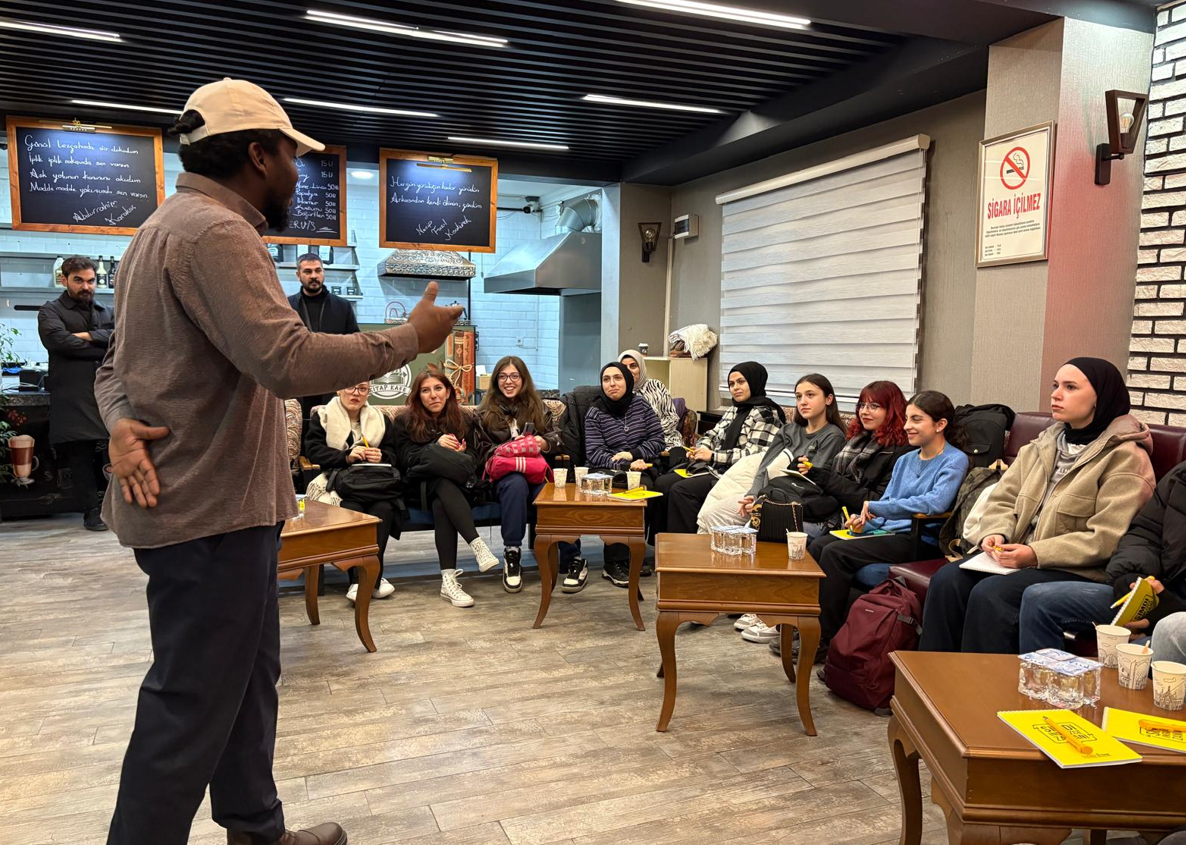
x=636 y=494
x=1068 y=739
x=1143 y=729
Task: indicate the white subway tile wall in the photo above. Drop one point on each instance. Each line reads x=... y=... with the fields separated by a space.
x=1158 y=343
x=527 y=326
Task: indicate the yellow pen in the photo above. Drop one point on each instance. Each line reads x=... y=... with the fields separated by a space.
x=1128 y=595
x=364 y=441
x=1079 y=746
x=1145 y=724
x=844 y=511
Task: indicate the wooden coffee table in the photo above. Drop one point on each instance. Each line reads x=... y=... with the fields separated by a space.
x=329 y=534
x=993 y=786
x=563 y=515
x=696 y=584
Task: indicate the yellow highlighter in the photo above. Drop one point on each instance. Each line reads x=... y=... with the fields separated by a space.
x=1074 y=742
x=1127 y=595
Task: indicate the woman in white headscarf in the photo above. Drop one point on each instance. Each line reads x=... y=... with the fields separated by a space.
x=657 y=396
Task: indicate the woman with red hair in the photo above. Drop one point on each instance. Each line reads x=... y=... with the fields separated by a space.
x=859 y=472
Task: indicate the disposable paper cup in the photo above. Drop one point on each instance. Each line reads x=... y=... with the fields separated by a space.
x=796 y=545
x=633 y=479
x=579 y=474
x=560 y=477
x=1169 y=685
x=1133 y=665
x=1107 y=637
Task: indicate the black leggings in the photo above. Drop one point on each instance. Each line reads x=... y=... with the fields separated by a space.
x=451 y=516
x=386 y=513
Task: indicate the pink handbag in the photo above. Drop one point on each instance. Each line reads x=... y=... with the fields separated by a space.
x=535 y=469
x=520 y=447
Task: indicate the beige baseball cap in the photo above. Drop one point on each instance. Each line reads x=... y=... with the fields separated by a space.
x=233 y=105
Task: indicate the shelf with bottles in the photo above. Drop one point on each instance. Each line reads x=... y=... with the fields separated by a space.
x=36 y=271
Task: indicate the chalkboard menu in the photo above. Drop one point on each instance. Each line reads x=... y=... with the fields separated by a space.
x=103 y=180
x=437 y=202
x=317 y=215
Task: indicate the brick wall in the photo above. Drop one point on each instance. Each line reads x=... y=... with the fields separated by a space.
x=1157 y=362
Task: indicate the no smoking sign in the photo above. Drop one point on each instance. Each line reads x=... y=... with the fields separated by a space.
x=1015 y=168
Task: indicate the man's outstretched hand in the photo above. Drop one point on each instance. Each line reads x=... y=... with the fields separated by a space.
x=130 y=461
x=433 y=323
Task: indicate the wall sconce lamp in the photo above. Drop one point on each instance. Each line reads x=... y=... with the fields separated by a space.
x=1125 y=112
x=650 y=238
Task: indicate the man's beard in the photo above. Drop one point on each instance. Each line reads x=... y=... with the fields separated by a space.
x=313 y=288
x=276 y=213
x=82 y=295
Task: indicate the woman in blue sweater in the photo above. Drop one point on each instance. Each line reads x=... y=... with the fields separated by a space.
x=621 y=432
x=923 y=481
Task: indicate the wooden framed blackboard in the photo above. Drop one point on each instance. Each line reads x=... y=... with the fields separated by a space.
x=317 y=214
x=437 y=202
x=99 y=180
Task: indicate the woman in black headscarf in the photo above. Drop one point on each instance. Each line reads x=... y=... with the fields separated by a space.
x=748 y=427
x=1057 y=514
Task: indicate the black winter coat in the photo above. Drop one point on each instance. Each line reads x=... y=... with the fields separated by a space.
x=73 y=362
x=875 y=477
x=1155 y=544
x=335 y=316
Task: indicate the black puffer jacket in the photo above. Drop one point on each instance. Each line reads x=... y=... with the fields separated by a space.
x=874 y=478
x=1155 y=544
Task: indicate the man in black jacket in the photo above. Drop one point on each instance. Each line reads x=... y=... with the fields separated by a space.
x=321 y=311
x=1154 y=546
x=75 y=330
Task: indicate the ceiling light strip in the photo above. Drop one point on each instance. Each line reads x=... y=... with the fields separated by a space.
x=103 y=104
x=530 y=145
x=404 y=30
x=729 y=13
x=54 y=29
x=325 y=104
x=648 y=104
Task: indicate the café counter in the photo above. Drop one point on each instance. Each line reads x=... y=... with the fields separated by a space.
x=52 y=491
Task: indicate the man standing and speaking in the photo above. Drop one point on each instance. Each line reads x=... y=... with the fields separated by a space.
x=320 y=311
x=204 y=345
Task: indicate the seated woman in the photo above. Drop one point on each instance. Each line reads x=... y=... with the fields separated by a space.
x=747 y=428
x=925 y=481
x=1057 y=514
x=438 y=454
x=514 y=409
x=621 y=432
x=1154 y=547
x=345 y=432
x=659 y=398
x=815 y=433
x=860 y=471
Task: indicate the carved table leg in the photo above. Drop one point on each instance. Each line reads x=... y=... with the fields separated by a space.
x=809 y=634
x=312 y=578
x=665 y=627
x=638 y=549
x=545 y=546
x=906 y=765
x=367 y=578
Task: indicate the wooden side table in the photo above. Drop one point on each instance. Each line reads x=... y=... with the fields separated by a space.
x=994 y=786
x=344 y=538
x=563 y=514
x=696 y=584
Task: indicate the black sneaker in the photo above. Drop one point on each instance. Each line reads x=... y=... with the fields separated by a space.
x=617 y=572
x=512 y=570
x=648 y=567
x=576 y=576
x=92 y=520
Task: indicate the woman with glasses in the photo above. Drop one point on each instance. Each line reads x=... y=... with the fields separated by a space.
x=346 y=432
x=511 y=410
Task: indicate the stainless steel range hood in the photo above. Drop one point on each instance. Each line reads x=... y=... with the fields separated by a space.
x=566 y=263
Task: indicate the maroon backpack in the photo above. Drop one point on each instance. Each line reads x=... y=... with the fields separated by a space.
x=882 y=621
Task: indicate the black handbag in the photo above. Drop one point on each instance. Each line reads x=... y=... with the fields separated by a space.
x=366 y=483
x=435 y=461
x=774 y=515
x=817 y=505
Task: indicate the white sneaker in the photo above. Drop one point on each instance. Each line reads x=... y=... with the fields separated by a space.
x=485 y=557
x=760 y=633
x=746 y=621
x=352 y=593
x=384 y=589
x=451 y=591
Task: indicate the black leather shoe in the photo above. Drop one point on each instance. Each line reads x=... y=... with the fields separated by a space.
x=92 y=520
x=323 y=834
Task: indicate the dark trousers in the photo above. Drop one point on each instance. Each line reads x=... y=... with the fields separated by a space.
x=840 y=560
x=84 y=461
x=206 y=712
x=385 y=511
x=452 y=515
x=515 y=495
x=684 y=498
x=976 y=612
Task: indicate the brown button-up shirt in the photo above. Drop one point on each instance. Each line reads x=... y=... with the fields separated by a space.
x=205 y=343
